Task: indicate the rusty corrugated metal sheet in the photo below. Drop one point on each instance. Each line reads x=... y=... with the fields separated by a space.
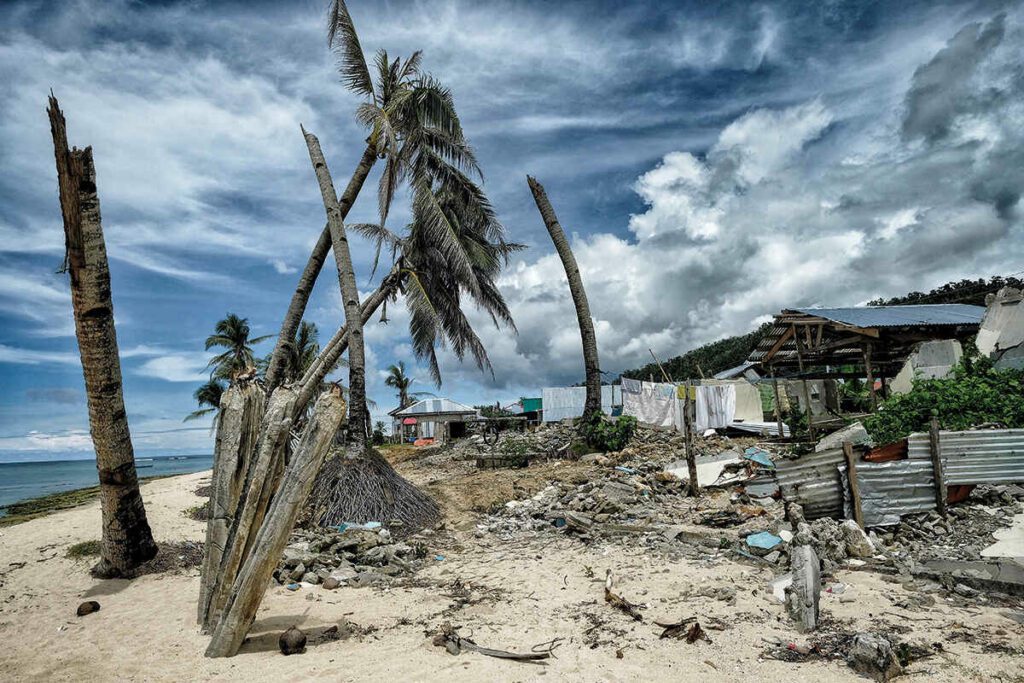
x=984 y=456
x=889 y=490
x=813 y=481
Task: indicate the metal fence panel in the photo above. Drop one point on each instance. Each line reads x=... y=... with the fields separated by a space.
x=889 y=490
x=989 y=456
x=813 y=481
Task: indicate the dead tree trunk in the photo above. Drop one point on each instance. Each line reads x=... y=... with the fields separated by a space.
x=313 y=267
x=127 y=539
x=248 y=588
x=238 y=429
x=254 y=498
x=579 y=297
x=357 y=413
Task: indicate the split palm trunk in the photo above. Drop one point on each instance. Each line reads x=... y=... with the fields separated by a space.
x=357 y=416
x=127 y=540
x=314 y=265
x=579 y=297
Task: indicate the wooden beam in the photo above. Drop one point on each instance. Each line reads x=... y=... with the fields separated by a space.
x=691 y=456
x=807 y=393
x=778 y=402
x=871 y=375
x=778 y=344
x=851 y=474
x=935 y=447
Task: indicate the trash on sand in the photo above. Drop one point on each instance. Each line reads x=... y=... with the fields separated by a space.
x=356 y=526
x=619 y=602
x=627 y=470
x=449 y=639
x=764 y=540
x=779 y=586
x=439 y=558
x=293 y=586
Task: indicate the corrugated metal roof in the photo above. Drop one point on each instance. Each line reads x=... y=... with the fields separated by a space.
x=436 y=405
x=984 y=456
x=899 y=316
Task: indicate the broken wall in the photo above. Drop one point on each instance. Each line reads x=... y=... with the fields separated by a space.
x=1001 y=336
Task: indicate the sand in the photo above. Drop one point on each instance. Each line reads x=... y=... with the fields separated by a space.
x=518 y=594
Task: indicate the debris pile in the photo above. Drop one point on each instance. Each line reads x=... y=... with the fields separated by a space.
x=354 y=555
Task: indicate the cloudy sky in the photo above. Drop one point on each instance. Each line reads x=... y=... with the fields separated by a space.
x=713 y=162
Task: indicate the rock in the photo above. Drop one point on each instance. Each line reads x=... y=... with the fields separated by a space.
x=873 y=656
x=297 y=573
x=363 y=579
x=960 y=589
x=596 y=458
x=773 y=556
x=292 y=642
x=805 y=593
x=310 y=577
x=331 y=582
x=857 y=542
x=88 y=607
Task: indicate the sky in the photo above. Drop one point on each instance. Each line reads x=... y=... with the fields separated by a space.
x=711 y=162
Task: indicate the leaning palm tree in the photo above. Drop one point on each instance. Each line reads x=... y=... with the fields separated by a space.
x=232 y=335
x=591 y=364
x=208 y=397
x=412 y=124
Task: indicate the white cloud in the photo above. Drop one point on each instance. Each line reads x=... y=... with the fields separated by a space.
x=11 y=354
x=72 y=440
x=177 y=367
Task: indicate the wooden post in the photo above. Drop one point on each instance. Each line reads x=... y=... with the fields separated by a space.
x=691 y=456
x=935 y=446
x=870 y=376
x=851 y=473
x=254 y=575
x=660 y=366
x=778 y=402
x=803 y=383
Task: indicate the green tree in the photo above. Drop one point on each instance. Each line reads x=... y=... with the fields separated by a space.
x=208 y=397
x=232 y=335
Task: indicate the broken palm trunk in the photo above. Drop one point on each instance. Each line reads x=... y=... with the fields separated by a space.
x=250 y=502
x=267 y=545
x=238 y=430
x=127 y=540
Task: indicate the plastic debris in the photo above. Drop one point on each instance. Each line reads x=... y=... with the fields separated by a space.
x=759 y=456
x=764 y=540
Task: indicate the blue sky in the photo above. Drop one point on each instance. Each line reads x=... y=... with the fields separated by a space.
x=714 y=162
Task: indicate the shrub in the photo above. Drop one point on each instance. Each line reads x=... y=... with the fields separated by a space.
x=607 y=435
x=973 y=394
x=84 y=549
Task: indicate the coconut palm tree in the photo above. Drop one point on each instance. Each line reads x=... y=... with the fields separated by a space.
x=208 y=397
x=232 y=334
x=591 y=364
x=398 y=380
x=302 y=351
x=413 y=126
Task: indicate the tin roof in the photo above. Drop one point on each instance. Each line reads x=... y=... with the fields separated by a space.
x=900 y=316
x=431 y=406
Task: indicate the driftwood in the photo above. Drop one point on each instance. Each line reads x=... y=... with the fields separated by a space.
x=238 y=428
x=254 y=499
x=449 y=639
x=619 y=602
x=254 y=574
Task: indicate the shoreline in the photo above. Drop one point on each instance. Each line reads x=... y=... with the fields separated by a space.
x=50 y=503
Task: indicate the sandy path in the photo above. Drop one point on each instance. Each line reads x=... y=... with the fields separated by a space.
x=520 y=594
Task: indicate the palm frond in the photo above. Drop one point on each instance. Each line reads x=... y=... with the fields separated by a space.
x=343 y=39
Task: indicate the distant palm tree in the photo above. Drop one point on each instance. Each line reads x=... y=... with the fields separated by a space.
x=398 y=380
x=302 y=351
x=207 y=395
x=232 y=334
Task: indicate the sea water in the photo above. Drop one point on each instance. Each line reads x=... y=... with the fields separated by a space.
x=23 y=480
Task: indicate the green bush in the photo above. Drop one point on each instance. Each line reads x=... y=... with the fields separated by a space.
x=973 y=394
x=606 y=435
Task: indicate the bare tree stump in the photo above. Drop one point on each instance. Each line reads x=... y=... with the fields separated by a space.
x=238 y=428
x=254 y=575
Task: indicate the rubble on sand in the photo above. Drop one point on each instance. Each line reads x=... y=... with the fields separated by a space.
x=357 y=556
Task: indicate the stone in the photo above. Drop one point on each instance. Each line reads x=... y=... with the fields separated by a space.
x=310 y=577
x=292 y=642
x=872 y=655
x=331 y=582
x=804 y=595
x=88 y=607
x=857 y=542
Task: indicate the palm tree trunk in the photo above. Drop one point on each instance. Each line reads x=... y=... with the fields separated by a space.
x=127 y=540
x=579 y=297
x=337 y=345
x=304 y=289
x=357 y=416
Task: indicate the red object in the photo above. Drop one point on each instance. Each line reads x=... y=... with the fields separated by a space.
x=894 y=451
x=409 y=421
x=958 y=492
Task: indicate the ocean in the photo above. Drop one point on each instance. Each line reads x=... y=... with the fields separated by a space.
x=23 y=480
